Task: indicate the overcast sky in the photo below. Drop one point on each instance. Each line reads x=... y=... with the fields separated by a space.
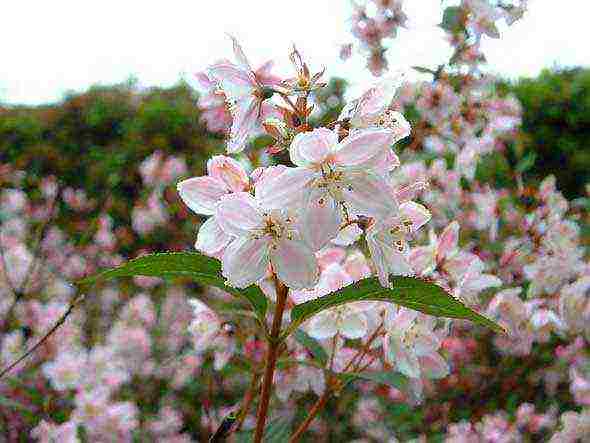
x=49 y=47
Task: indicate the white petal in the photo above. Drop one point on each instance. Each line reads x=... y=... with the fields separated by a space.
x=320 y=219
x=238 y=214
x=322 y=326
x=426 y=343
x=369 y=194
x=245 y=121
x=363 y=148
x=228 y=171
x=416 y=213
x=235 y=82
x=309 y=148
x=240 y=56
x=211 y=239
x=434 y=366
x=378 y=258
x=354 y=325
x=201 y=194
x=284 y=190
x=402 y=357
x=398 y=262
x=376 y=100
x=245 y=261
x=348 y=235
x=295 y=264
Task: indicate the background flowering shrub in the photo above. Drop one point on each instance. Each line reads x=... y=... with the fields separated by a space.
x=91 y=182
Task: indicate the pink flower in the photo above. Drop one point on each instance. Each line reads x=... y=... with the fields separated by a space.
x=263 y=237
x=201 y=194
x=246 y=92
x=372 y=109
x=411 y=344
x=332 y=176
x=387 y=240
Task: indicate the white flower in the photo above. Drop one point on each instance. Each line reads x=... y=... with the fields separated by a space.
x=201 y=194
x=411 y=345
x=263 y=237
x=387 y=243
x=330 y=176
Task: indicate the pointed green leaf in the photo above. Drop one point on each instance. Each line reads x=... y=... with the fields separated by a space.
x=277 y=431
x=198 y=267
x=388 y=378
x=451 y=20
x=423 y=70
x=312 y=345
x=411 y=292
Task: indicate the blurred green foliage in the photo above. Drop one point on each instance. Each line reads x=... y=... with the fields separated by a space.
x=556 y=126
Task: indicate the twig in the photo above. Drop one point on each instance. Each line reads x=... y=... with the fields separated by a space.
x=251 y=394
x=271 y=360
x=315 y=409
x=43 y=339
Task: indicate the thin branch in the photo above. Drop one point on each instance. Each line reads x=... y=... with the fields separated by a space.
x=271 y=359
x=315 y=409
x=43 y=339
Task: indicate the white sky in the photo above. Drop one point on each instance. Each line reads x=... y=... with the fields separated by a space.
x=50 y=47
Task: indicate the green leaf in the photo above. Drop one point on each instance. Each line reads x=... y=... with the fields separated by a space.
x=451 y=20
x=312 y=345
x=388 y=378
x=198 y=267
x=423 y=70
x=277 y=431
x=527 y=162
x=411 y=292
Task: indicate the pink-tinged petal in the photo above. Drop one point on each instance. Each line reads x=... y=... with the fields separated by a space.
x=264 y=75
x=245 y=261
x=348 y=235
x=425 y=344
x=368 y=194
x=404 y=319
x=285 y=189
x=423 y=259
x=399 y=263
x=204 y=81
x=398 y=124
x=245 y=122
x=295 y=264
x=320 y=220
x=477 y=283
x=416 y=213
x=238 y=214
x=239 y=54
x=448 y=240
x=354 y=325
x=322 y=326
x=400 y=356
x=201 y=194
x=229 y=171
x=236 y=83
x=312 y=148
x=434 y=366
x=375 y=101
x=211 y=239
x=386 y=162
x=378 y=259
x=411 y=191
x=363 y=148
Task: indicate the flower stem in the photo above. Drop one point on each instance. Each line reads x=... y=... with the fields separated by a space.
x=271 y=360
x=315 y=409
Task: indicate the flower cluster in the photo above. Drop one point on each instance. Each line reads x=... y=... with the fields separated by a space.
x=278 y=217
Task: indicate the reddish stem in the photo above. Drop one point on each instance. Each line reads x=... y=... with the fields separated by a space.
x=271 y=360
